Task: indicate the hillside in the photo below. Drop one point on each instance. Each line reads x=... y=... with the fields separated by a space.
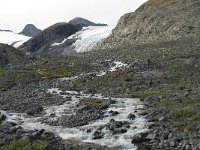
x=52 y=33
x=10 y=56
x=156 y=20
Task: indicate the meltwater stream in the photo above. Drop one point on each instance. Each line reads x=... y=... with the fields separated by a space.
x=124 y=106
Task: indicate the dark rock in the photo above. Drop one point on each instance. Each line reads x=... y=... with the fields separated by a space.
x=36 y=110
x=131 y=116
x=2 y=117
x=114 y=113
x=97 y=135
x=139 y=138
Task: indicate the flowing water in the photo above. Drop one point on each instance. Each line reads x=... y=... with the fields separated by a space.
x=124 y=106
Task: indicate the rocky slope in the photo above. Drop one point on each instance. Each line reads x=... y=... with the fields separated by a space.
x=30 y=30
x=10 y=56
x=156 y=20
x=51 y=34
x=84 y=22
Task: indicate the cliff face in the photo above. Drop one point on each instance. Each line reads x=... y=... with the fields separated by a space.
x=156 y=20
x=54 y=32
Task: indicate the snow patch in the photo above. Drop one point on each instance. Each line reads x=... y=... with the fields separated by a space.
x=90 y=36
x=12 y=38
x=57 y=44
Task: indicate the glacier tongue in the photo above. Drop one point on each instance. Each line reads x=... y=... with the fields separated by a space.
x=88 y=37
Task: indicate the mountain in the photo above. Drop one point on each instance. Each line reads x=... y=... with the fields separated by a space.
x=156 y=20
x=63 y=38
x=10 y=55
x=30 y=30
x=11 y=38
x=49 y=35
x=84 y=22
x=83 y=40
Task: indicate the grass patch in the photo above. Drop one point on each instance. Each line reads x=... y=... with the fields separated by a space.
x=91 y=101
x=148 y=93
x=3 y=72
x=25 y=145
x=185 y=114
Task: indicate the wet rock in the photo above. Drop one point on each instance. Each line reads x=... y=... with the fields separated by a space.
x=63 y=93
x=114 y=113
x=2 y=117
x=97 y=135
x=119 y=131
x=131 y=116
x=36 y=110
x=139 y=138
x=151 y=136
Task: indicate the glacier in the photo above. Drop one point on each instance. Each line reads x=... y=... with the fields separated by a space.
x=11 y=38
x=87 y=38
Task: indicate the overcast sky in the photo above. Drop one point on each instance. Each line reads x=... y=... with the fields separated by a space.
x=15 y=14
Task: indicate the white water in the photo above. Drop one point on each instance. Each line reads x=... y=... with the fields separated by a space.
x=124 y=106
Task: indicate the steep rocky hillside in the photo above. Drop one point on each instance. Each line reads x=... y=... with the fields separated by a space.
x=51 y=34
x=10 y=55
x=156 y=20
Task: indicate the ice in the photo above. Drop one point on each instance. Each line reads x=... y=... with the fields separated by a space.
x=88 y=37
x=12 y=38
x=56 y=44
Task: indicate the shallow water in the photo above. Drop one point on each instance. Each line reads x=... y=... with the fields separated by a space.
x=124 y=106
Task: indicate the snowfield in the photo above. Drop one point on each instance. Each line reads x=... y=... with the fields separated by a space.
x=11 y=38
x=88 y=37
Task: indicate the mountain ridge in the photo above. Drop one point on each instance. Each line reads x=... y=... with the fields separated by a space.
x=156 y=21
x=84 y=22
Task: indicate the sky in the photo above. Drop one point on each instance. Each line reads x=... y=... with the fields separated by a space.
x=15 y=14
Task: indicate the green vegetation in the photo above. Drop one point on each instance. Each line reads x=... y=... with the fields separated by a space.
x=91 y=101
x=44 y=67
x=2 y=72
x=25 y=145
x=148 y=93
x=186 y=114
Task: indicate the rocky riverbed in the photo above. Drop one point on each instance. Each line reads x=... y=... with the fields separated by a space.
x=75 y=115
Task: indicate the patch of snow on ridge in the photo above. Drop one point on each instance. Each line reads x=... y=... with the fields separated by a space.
x=56 y=44
x=90 y=36
x=12 y=38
